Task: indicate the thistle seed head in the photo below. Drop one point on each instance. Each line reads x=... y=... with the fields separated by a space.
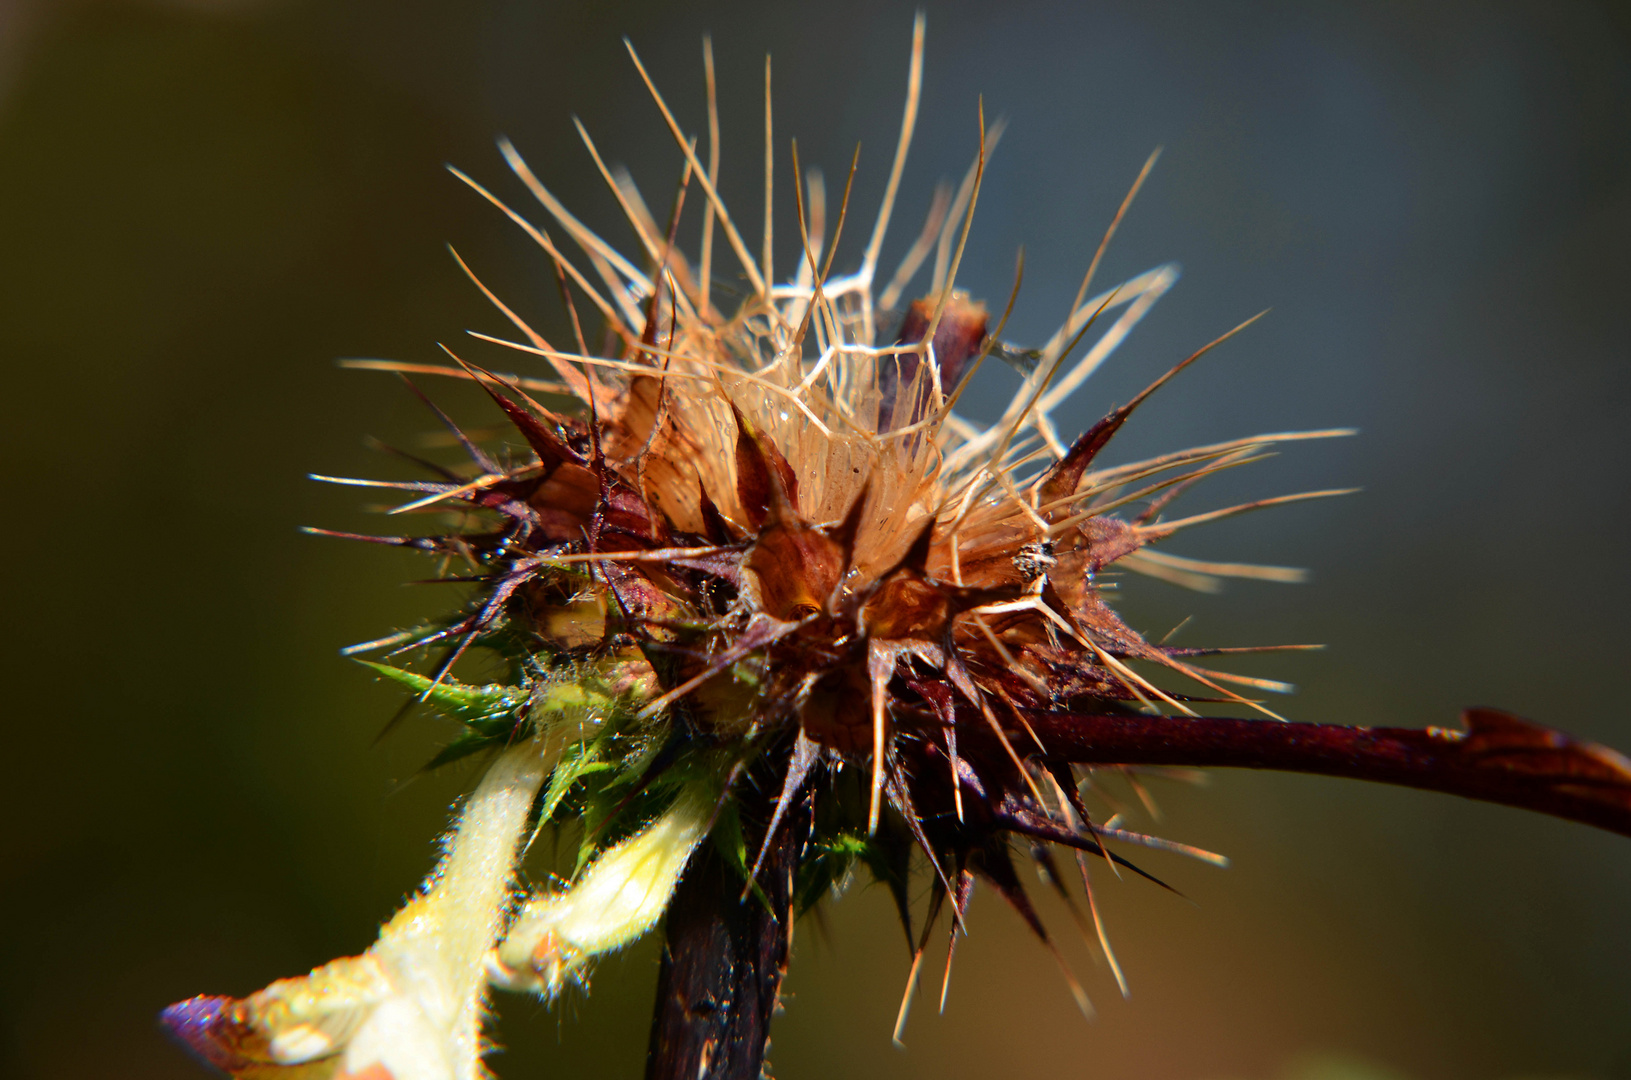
x=752 y=572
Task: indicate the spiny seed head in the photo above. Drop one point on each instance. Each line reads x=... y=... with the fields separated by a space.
x=771 y=523
x=753 y=575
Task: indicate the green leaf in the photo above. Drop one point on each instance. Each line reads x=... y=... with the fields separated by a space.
x=729 y=842
x=477 y=705
x=468 y=742
x=834 y=856
x=577 y=761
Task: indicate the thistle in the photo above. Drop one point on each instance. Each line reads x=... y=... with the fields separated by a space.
x=769 y=608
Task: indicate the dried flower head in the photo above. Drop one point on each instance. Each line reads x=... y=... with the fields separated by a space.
x=759 y=582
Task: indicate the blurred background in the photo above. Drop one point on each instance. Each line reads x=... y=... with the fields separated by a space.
x=204 y=204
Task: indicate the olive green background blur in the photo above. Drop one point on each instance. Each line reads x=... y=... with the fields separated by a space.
x=203 y=205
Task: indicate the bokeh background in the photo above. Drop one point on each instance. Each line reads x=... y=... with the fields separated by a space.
x=203 y=204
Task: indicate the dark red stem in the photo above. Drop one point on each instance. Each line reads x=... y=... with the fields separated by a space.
x=723 y=961
x=1496 y=757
